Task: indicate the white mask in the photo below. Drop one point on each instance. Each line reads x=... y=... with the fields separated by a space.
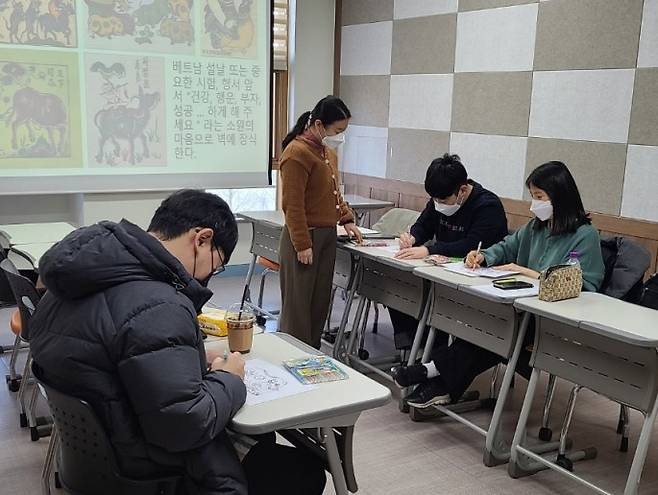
x=334 y=141
x=543 y=210
x=447 y=210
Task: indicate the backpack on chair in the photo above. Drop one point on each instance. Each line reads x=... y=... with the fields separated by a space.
x=625 y=263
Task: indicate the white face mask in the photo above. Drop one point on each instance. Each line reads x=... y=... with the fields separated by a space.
x=447 y=210
x=334 y=141
x=541 y=209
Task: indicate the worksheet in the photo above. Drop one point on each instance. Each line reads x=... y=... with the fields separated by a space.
x=266 y=382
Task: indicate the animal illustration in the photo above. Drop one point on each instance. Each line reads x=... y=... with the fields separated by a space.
x=121 y=122
x=57 y=20
x=105 y=26
x=177 y=31
x=108 y=18
x=150 y=14
x=16 y=18
x=236 y=31
x=114 y=94
x=180 y=9
x=31 y=18
x=258 y=381
x=46 y=110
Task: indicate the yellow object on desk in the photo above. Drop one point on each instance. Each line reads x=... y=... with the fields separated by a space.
x=213 y=322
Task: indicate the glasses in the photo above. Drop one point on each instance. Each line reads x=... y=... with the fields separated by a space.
x=220 y=268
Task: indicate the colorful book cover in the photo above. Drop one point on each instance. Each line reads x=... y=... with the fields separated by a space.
x=314 y=369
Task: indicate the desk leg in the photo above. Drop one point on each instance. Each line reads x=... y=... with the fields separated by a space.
x=516 y=466
x=494 y=453
x=360 y=215
x=633 y=481
x=420 y=330
x=333 y=457
x=250 y=274
x=340 y=350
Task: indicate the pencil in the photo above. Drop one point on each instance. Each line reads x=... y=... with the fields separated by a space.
x=477 y=253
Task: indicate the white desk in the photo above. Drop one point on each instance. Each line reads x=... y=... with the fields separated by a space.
x=379 y=278
x=33 y=233
x=600 y=343
x=329 y=406
x=362 y=205
x=485 y=320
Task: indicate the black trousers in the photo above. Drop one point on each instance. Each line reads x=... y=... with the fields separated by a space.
x=274 y=469
x=459 y=363
x=404 y=330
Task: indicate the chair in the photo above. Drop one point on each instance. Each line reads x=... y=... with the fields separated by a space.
x=13 y=379
x=269 y=267
x=625 y=264
x=27 y=298
x=87 y=462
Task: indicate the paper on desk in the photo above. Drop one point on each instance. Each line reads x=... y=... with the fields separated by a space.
x=340 y=231
x=266 y=382
x=506 y=294
x=477 y=272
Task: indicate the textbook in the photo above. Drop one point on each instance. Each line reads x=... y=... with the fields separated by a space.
x=314 y=369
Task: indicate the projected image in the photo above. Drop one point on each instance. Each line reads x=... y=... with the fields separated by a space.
x=165 y=26
x=37 y=109
x=38 y=22
x=125 y=111
x=229 y=28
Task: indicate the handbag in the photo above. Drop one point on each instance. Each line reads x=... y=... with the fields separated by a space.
x=560 y=282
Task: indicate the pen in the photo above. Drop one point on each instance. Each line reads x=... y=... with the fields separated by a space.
x=225 y=354
x=477 y=253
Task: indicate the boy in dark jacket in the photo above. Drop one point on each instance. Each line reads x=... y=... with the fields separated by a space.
x=459 y=215
x=117 y=328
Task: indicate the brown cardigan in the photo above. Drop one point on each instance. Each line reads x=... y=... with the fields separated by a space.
x=311 y=196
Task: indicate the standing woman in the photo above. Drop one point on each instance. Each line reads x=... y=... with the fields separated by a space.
x=313 y=205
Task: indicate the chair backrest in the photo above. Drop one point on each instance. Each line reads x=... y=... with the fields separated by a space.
x=87 y=462
x=6 y=295
x=395 y=221
x=25 y=294
x=625 y=264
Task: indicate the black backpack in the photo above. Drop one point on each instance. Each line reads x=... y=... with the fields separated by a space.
x=650 y=292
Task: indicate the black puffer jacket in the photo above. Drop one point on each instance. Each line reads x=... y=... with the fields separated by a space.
x=118 y=328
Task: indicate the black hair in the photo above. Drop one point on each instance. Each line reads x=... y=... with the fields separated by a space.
x=445 y=176
x=568 y=212
x=191 y=208
x=328 y=110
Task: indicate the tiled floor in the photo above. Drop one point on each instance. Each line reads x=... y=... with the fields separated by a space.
x=392 y=454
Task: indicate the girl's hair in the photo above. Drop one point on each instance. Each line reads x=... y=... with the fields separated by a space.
x=328 y=110
x=568 y=211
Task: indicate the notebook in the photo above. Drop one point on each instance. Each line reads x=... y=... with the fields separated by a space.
x=315 y=369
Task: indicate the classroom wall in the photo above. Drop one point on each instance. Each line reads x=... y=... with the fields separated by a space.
x=311 y=54
x=506 y=84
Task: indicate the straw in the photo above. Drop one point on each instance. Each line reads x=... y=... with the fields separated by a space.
x=244 y=296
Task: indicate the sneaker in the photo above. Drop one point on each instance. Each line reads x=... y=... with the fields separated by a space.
x=432 y=392
x=405 y=376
